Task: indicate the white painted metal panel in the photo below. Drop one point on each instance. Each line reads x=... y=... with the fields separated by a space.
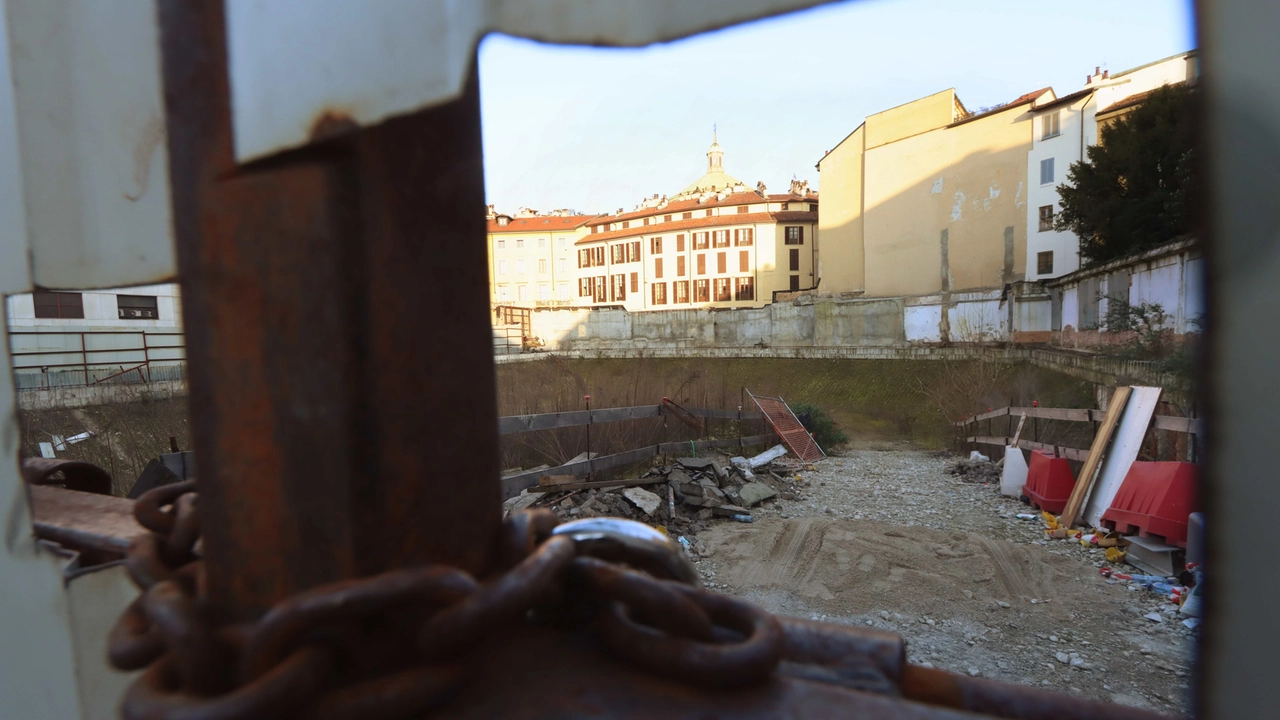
x=294 y=62
x=90 y=127
x=921 y=323
x=1124 y=450
x=14 y=270
x=979 y=321
x=1070 y=308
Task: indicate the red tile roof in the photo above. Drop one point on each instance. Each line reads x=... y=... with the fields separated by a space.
x=1021 y=100
x=1065 y=99
x=680 y=206
x=550 y=223
x=699 y=222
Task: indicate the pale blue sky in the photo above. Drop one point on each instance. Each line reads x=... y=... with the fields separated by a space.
x=598 y=129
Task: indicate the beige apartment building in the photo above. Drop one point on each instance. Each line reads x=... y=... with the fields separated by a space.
x=531 y=258
x=928 y=198
x=716 y=243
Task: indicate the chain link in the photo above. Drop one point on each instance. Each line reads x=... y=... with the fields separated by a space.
x=342 y=651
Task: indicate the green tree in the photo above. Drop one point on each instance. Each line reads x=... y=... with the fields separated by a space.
x=1136 y=190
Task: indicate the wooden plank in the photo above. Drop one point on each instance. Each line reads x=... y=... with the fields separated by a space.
x=1194 y=426
x=1094 y=460
x=998 y=412
x=1018 y=433
x=726 y=414
x=1068 y=414
x=651 y=480
x=553 y=480
x=513 y=484
x=550 y=421
x=1129 y=436
x=1066 y=452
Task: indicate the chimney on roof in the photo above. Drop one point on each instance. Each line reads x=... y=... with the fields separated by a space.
x=1097 y=69
x=1088 y=79
x=1106 y=74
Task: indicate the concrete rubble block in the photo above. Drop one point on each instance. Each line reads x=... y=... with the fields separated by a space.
x=690 y=489
x=522 y=501
x=756 y=492
x=703 y=464
x=706 y=513
x=643 y=499
x=744 y=467
x=678 y=476
x=767 y=456
x=713 y=494
x=730 y=511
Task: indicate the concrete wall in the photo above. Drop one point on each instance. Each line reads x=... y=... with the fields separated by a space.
x=804 y=322
x=1171 y=276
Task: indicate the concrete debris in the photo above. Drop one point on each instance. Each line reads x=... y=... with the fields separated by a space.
x=702 y=490
x=755 y=492
x=744 y=467
x=643 y=499
x=767 y=456
x=976 y=471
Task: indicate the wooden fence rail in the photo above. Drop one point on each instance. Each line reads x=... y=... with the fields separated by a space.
x=1194 y=426
x=1190 y=426
x=548 y=421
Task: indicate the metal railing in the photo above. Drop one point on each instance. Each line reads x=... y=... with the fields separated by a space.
x=142 y=362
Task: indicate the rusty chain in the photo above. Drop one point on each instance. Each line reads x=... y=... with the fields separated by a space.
x=341 y=650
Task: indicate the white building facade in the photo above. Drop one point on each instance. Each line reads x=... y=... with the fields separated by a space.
x=1065 y=128
x=66 y=338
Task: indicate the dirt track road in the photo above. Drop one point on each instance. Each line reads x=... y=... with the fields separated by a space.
x=886 y=539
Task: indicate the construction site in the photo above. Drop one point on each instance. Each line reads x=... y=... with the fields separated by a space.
x=940 y=532
x=295 y=430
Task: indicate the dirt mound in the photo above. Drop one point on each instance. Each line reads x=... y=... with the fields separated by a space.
x=863 y=566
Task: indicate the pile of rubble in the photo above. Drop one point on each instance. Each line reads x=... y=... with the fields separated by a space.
x=684 y=494
x=977 y=468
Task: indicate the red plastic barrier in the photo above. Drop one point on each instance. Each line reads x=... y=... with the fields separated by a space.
x=1049 y=482
x=1156 y=498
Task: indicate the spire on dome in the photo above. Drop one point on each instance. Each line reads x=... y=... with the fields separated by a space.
x=715 y=155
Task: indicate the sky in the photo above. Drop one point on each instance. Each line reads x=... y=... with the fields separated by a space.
x=598 y=129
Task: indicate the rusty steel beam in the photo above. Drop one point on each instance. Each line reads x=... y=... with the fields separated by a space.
x=83 y=521
x=336 y=310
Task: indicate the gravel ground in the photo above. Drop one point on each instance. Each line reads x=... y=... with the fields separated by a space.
x=886 y=538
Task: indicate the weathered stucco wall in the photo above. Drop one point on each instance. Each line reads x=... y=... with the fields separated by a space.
x=914 y=204
x=840 y=261
x=806 y=322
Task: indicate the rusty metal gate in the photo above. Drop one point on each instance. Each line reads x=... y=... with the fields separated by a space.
x=789 y=427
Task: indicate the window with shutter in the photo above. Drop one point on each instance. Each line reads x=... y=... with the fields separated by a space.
x=64 y=305
x=1046 y=218
x=1046 y=171
x=744 y=261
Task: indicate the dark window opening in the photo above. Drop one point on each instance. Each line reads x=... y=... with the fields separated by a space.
x=137 y=307
x=69 y=306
